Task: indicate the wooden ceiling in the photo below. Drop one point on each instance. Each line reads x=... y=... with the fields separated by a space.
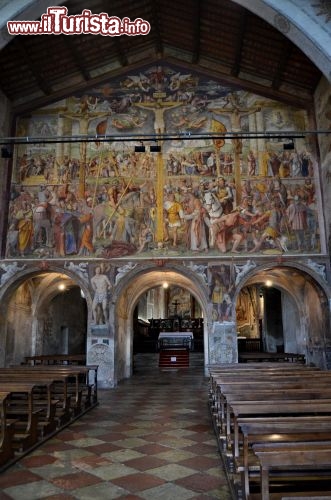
x=217 y=37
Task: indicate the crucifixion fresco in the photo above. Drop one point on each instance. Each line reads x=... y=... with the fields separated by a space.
x=197 y=195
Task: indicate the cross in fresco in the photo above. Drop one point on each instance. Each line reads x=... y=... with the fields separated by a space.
x=84 y=118
x=236 y=114
x=159 y=107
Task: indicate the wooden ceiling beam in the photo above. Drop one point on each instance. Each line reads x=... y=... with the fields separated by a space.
x=286 y=54
x=116 y=40
x=34 y=68
x=120 y=52
x=156 y=26
x=76 y=57
x=240 y=44
x=197 y=31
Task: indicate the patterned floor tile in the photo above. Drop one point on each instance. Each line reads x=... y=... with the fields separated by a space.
x=138 y=482
x=101 y=491
x=150 y=438
x=76 y=480
x=145 y=463
x=171 y=472
x=167 y=491
x=32 y=491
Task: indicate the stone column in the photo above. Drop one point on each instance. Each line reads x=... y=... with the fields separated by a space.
x=223 y=347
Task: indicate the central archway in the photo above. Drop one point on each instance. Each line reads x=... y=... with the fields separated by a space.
x=127 y=298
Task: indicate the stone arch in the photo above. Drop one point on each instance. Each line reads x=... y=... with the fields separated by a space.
x=301 y=25
x=126 y=296
x=41 y=287
x=306 y=311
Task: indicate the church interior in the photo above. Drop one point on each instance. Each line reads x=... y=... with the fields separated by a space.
x=165 y=208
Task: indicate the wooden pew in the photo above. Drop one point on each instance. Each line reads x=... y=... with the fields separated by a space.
x=241 y=390
x=7 y=431
x=311 y=457
x=278 y=429
x=248 y=385
x=84 y=394
x=35 y=396
x=54 y=359
x=43 y=400
x=247 y=391
x=252 y=378
x=292 y=395
x=251 y=375
x=65 y=388
x=26 y=427
x=54 y=400
x=276 y=357
x=283 y=405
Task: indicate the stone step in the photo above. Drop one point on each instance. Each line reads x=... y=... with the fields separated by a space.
x=148 y=361
x=178 y=358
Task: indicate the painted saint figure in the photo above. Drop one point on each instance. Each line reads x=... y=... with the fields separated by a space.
x=100 y=284
x=173 y=220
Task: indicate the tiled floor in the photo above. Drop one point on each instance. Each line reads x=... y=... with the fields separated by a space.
x=150 y=438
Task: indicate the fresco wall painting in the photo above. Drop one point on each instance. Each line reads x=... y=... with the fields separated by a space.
x=207 y=197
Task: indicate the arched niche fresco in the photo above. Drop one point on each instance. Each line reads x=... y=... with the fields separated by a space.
x=205 y=196
x=42 y=313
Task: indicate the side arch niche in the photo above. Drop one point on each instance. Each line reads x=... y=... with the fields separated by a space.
x=284 y=308
x=42 y=313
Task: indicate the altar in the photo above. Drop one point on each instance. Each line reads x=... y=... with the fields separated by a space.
x=167 y=340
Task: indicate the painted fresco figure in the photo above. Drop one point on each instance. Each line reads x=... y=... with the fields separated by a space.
x=195 y=216
x=145 y=237
x=217 y=297
x=42 y=220
x=224 y=194
x=211 y=164
x=311 y=215
x=9 y=271
x=251 y=162
x=297 y=217
x=272 y=231
x=24 y=217
x=173 y=221
x=101 y=285
x=214 y=210
x=86 y=220
x=226 y=227
x=226 y=307
x=243 y=231
x=273 y=164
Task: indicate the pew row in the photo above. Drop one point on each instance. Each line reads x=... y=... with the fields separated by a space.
x=277 y=429
x=308 y=461
x=259 y=393
x=56 y=359
x=38 y=401
x=6 y=431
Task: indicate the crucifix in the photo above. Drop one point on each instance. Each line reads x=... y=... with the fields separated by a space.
x=236 y=113
x=84 y=118
x=175 y=303
x=158 y=108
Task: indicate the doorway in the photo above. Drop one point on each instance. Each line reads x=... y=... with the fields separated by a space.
x=167 y=308
x=134 y=288
x=259 y=315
